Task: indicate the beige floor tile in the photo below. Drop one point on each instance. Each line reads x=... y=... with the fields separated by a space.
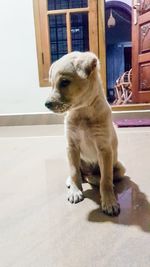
x=39 y=228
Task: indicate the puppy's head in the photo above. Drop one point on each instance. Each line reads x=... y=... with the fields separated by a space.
x=71 y=78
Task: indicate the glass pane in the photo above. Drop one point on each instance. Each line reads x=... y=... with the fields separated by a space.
x=58 y=36
x=79 y=32
x=65 y=4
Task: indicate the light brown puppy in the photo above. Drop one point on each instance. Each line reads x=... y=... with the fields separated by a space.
x=91 y=138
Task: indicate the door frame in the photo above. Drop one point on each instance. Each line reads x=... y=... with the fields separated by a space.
x=102 y=55
x=102 y=41
x=139 y=59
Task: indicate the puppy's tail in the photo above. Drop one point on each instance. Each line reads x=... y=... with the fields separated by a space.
x=118 y=171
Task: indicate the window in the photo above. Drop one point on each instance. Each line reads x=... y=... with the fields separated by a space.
x=63 y=26
x=65 y=4
x=57 y=36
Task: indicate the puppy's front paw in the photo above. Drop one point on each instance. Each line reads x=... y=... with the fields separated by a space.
x=68 y=181
x=110 y=206
x=75 y=195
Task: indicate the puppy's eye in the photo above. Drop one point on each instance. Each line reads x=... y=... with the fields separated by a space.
x=64 y=83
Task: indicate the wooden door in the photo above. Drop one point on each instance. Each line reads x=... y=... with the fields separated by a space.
x=141 y=51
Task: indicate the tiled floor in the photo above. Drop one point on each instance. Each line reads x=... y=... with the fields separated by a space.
x=39 y=228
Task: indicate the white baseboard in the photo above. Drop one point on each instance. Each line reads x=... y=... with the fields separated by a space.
x=50 y=118
x=136 y=114
x=30 y=119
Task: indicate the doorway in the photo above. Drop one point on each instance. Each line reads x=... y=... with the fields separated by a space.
x=118 y=43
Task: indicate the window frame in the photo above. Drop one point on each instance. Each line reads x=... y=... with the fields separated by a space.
x=41 y=14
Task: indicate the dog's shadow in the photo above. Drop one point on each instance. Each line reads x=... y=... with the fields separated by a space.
x=135 y=208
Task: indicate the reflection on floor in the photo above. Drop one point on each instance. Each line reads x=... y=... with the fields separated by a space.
x=39 y=228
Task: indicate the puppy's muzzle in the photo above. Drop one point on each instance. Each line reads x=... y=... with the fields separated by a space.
x=50 y=105
x=57 y=107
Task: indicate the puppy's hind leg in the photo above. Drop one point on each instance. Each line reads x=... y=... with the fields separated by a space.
x=92 y=179
x=118 y=171
x=90 y=173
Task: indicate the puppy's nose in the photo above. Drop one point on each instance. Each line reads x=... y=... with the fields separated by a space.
x=48 y=104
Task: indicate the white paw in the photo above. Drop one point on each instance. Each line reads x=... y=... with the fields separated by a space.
x=75 y=195
x=68 y=181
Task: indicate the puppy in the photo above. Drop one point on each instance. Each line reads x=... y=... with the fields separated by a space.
x=91 y=138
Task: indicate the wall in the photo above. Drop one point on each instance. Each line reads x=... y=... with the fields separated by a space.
x=115 y=63
x=19 y=86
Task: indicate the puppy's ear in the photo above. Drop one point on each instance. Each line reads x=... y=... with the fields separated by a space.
x=86 y=64
x=50 y=73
